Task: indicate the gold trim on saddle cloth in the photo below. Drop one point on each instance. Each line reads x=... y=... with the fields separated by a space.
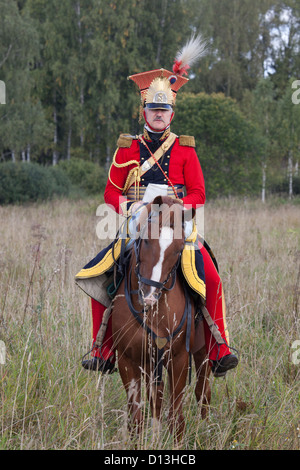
x=188 y=264
x=105 y=264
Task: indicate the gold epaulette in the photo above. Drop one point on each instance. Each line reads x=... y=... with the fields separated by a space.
x=187 y=141
x=125 y=140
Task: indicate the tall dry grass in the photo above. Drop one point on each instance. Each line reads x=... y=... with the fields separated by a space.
x=49 y=402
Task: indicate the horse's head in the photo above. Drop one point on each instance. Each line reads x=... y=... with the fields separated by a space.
x=159 y=247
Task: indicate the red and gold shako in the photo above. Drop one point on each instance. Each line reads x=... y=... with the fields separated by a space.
x=159 y=87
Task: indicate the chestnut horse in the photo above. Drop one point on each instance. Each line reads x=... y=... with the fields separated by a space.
x=153 y=319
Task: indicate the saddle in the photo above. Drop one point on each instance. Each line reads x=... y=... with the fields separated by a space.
x=107 y=268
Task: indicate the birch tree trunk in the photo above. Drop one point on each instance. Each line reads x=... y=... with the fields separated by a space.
x=98 y=138
x=55 y=139
x=264 y=177
x=162 y=24
x=81 y=130
x=69 y=138
x=77 y=9
x=108 y=149
x=290 y=173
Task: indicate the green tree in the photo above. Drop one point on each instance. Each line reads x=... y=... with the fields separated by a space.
x=23 y=124
x=88 y=48
x=259 y=106
x=284 y=22
x=60 y=73
x=127 y=45
x=229 y=146
x=239 y=39
x=288 y=125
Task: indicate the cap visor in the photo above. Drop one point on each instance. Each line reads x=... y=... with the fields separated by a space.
x=158 y=106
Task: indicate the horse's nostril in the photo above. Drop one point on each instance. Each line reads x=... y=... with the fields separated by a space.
x=152 y=298
x=156 y=295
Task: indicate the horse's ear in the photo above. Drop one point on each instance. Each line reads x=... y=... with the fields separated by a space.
x=158 y=200
x=188 y=214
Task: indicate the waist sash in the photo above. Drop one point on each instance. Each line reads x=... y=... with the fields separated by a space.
x=134 y=195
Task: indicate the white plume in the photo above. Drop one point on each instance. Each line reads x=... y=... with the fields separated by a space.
x=194 y=49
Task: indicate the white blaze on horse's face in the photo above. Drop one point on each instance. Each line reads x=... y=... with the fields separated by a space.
x=165 y=240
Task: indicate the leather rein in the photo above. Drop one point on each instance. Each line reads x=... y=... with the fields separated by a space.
x=140 y=315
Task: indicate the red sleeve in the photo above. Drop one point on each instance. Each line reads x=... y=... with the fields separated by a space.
x=194 y=180
x=185 y=169
x=117 y=176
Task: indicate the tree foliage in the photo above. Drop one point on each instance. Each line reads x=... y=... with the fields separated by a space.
x=228 y=146
x=26 y=182
x=65 y=66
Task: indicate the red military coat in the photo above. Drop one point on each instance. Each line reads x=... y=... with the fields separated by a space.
x=180 y=163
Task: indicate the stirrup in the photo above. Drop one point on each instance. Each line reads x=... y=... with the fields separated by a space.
x=98 y=364
x=221 y=366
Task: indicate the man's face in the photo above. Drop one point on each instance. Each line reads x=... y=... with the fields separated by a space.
x=158 y=119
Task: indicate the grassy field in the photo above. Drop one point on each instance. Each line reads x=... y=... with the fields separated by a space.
x=47 y=401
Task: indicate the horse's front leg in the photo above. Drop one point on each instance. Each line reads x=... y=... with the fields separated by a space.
x=155 y=393
x=177 y=371
x=202 y=389
x=131 y=377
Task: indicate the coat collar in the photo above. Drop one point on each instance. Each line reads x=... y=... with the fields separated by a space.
x=162 y=136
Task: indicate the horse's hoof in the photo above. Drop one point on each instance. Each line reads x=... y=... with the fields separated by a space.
x=220 y=367
x=97 y=364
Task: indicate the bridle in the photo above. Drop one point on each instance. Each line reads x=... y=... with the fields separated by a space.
x=140 y=316
x=160 y=286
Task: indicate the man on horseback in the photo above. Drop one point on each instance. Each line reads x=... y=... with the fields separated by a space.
x=159 y=162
